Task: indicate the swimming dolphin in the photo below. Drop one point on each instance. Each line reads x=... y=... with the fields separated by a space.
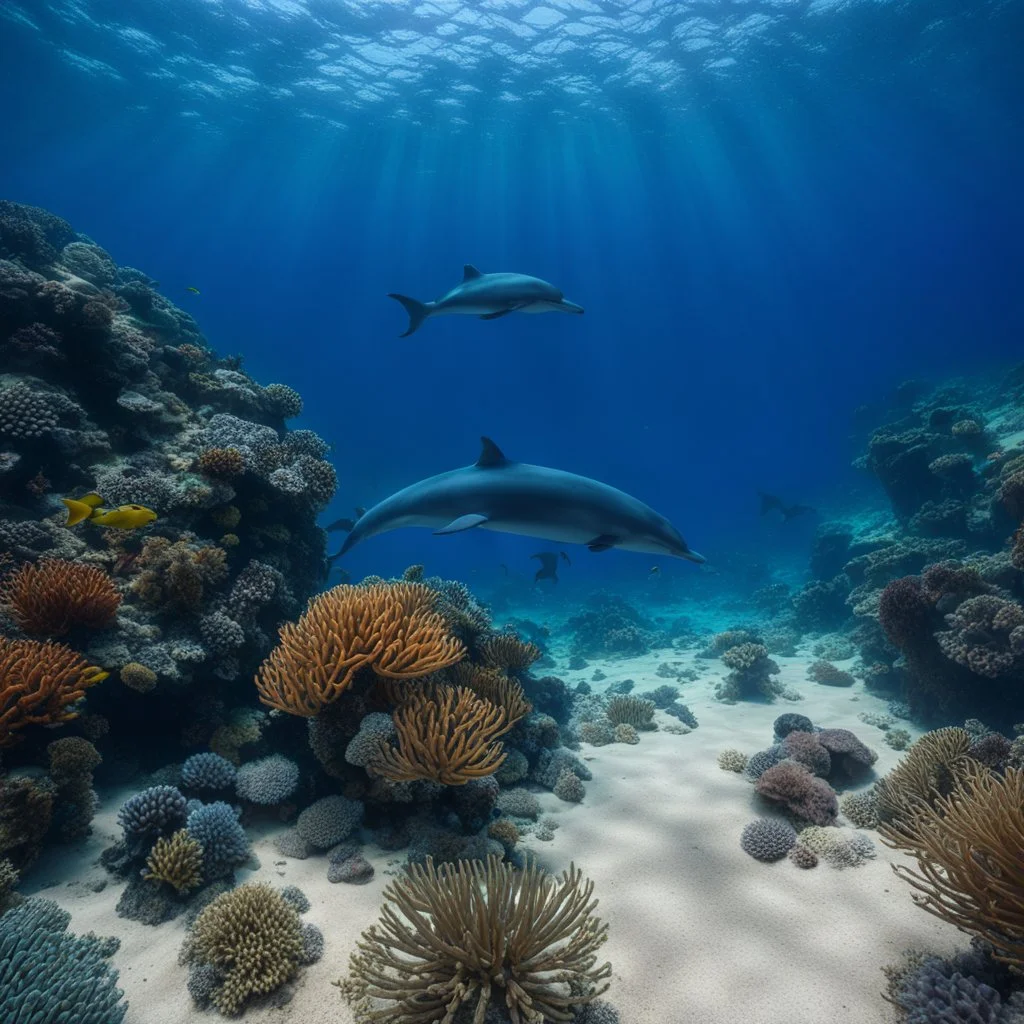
x=548 y=566
x=770 y=503
x=488 y=296
x=534 y=501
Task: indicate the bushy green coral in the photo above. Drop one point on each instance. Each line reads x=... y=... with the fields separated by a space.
x=254 y=937
x=732 y=760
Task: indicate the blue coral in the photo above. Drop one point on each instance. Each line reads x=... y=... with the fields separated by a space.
x=208 y=771
x=48 y=975
x=156 y=811
x=225 y=845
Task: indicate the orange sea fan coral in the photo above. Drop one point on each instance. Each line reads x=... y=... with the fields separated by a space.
x=391 y=627
x=53 y=596
x=448 y=737
x=38 y=684
x=492 y=684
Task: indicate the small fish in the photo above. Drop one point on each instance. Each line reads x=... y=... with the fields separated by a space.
x=126 y=517
x=193 y=290
x=655 y=570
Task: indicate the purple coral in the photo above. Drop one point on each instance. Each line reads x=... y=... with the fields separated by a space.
x=985 y=635
x=801 y=793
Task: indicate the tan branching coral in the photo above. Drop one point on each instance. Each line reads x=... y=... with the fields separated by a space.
x=254 y=935
x=507 y=652
x=629 y=710
x=449 y=736
x=178 y=861
x=968 y=849
x=221 y=462
x=389 y=627
x=931 y=768
x=470 y=932
x=39 y=684
x=493 y=685
x=53 y=596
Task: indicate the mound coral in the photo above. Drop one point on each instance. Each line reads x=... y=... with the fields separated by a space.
x=137 y=677
x=827 y=674
x=392 y=628
x=801 y=793
x=177 y=860
x=53 y=596
x=449 y=737
x=986 y=635
x=253 y=938
x=768 y=839
x=751 y=674
x=466 y=933
x=39 y=685
x=968 y=850
x=269 y=781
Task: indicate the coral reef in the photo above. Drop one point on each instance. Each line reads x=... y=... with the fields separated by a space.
x=768 y=839
x=751 y=675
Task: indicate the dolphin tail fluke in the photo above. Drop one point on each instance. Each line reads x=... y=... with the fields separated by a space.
x=418 y=311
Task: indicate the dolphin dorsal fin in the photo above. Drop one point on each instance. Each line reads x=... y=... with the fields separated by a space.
x=469 y=272
x=491 y=455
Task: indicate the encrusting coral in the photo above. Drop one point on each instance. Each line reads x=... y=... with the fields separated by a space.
x=473 y=932
x=968 y=850
x=392 y=628
x=448 y=737
x=53 y=596
x=39 y=685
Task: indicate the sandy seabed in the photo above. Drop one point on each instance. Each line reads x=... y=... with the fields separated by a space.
x=699 y=932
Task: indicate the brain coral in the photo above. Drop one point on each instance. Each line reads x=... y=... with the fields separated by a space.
x=768 y=839
x=269 y=781
x=328 y=821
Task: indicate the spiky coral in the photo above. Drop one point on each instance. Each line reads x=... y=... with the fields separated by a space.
x=448 y=737
x=507 y=652
x=53 y=596
x=253 y=935
x=39 y=684
x=178 y=861
x=469 y=932
x=492 y=685
x=390 y=627
x=932 y=768
x=968 y=849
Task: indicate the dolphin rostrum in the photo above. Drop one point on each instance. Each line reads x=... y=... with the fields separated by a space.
x=489 y=296
x=534 y=501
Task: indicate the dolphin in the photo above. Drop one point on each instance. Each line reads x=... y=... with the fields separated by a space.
x=533 y=501
x=488 y=296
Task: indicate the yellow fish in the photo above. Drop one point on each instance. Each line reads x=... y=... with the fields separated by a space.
x=127 y=517
x=194 y=291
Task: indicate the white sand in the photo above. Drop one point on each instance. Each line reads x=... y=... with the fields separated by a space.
x=700 y=933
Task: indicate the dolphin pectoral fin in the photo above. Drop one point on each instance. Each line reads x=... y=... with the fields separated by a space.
x=470 y=273
x=466 y=522
x=494 y=316
x=603 y=543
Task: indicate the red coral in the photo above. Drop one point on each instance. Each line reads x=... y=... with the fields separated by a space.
x=793 y=786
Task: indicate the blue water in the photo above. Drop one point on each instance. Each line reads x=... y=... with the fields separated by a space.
x=772 y=212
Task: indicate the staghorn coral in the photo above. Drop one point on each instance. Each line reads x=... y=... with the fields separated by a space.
x=507 y=652
x=630 y=710
x=967 y=846
x=39 y=685
x=466 y=933
x=253 y=936
x=449 y=737
x=53 y=596
x=177 y=860
x=392 y=628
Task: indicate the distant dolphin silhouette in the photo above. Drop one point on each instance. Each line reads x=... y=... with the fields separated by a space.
x=548 y=566
x=488 y=296
x=534 y=501
x=769 y=503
